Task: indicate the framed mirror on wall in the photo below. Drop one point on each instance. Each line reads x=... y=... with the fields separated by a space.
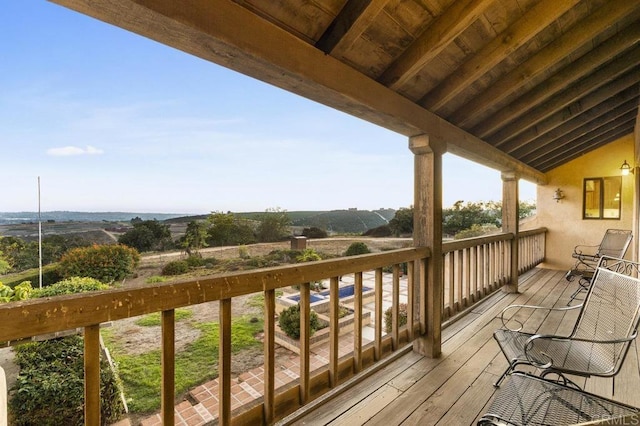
x=601 y=198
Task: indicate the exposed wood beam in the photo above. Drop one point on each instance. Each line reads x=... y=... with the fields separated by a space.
x=625 y=100
x=536 y=66
x=535 y=20
x=549 y=115
x=613 y=118
x=566 y=77
x=353 y=19
x=588 y=146
x=443 y=31
x=225 y=33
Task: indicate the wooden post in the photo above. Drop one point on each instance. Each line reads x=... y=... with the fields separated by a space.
x=269 y=355
x=636 y=190
x=510 y=223
x=167 y=391
x=92 y=375
x=427 y=232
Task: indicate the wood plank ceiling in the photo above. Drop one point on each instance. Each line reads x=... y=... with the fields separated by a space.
x=519 y=85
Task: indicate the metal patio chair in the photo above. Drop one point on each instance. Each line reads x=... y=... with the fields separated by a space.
x=605 y=327
x=614 y=244
x=530 y=400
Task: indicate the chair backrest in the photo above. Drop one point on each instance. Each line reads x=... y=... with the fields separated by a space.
x=615 y=243
x=611 y=309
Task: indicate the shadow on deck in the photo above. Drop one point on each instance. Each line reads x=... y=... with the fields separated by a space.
x=456 y=388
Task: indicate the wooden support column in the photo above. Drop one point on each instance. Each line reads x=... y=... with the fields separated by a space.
x=510 y=223
x=427 y=232
x=635 y=228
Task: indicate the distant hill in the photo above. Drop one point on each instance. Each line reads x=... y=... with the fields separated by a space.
x=351 y=221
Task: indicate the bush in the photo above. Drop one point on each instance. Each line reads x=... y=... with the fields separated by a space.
x=21 y=292
x=314 y=232
x=380 y=231
x=195 y=261
x=107 y=263
x=308 y=255
x=49 y=389
x=50 y=275
x=357 y=248
x=175 y=267
x=70 y=286
x=402 y=317
x=289 y=321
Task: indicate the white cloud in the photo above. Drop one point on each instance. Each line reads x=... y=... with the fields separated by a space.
x=67 y=151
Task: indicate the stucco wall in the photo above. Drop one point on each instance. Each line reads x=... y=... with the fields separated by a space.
x=564 y=218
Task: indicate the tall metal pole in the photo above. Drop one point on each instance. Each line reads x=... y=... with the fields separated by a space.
x=39 y=233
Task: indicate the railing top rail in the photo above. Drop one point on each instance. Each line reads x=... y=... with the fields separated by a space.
x=465 y=243
x=450 y=246
x=20 y=320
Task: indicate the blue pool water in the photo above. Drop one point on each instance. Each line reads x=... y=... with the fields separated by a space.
x=346 y=291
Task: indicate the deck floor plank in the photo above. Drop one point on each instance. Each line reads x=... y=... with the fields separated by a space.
x=456 y=388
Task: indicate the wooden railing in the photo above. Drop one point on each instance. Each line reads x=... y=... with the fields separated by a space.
x=476 y=267
x=473 y=268
x=22 y=320
x=531 y=249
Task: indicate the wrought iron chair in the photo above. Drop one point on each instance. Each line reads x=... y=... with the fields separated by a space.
x=614 y=244
x=605 y=327
x=529 y=400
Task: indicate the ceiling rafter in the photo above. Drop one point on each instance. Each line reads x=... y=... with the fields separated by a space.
x=530 y=24
x=351 y=22
x=443 y=31
x=538 y=64
x=579 y=116
x=565 y=78
x=589 y=91
x=589 y=144
x=625 y=111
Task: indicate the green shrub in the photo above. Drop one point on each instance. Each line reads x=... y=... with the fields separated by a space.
x=380 y=231
x=402 y=317
x=175 y=267
x=314 y=232
x=70 y=286
x=195 y=261
x=107 y=263
x=289 y=321
x=308 y=255
x=49 y=389
x=357 y=248
x=21 y=292
x=155 y=279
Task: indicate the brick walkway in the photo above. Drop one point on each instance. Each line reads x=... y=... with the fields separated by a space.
x=201 y=405
x=247 y=387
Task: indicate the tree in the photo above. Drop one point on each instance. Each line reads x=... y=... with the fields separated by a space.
x=147 y=235
x=402 y=222
x=225 y=229
x=195 y=236
x=274 y=225
x=106 y=263
x=463 y=216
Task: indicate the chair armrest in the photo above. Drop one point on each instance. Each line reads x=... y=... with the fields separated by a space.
x=531 y=342
x=504 y=323
x=579 y=251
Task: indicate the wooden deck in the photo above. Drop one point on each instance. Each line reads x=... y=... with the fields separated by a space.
x=456 y=388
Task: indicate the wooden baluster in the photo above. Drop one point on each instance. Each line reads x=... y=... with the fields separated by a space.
x=466 y=254
x=459 y=299
x=395 y=307
x=378 y=315
x=411 y=302
x=357 y=323
x=334 y=331
x=450 y=267
x=305 y=348
x=224 y=367
x=92 y=375
x=269 y=356
x=168 y=367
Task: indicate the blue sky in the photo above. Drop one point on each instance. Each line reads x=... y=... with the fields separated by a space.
x=112 y=121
